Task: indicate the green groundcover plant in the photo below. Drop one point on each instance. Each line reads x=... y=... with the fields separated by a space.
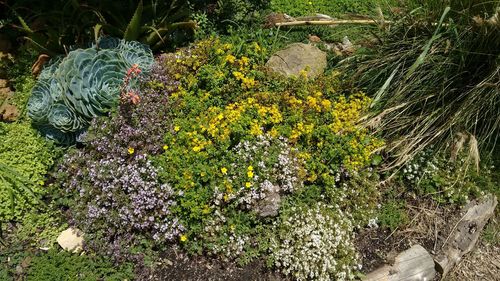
x=332 y=8
x=213 y=149
x=55 y=265
x=23 y=150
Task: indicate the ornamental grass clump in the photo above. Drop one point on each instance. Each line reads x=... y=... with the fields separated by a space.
x=436 y=73
x=314 y=243
x=83 y=85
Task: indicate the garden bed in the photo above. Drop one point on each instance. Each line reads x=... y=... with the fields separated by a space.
x=223 y=153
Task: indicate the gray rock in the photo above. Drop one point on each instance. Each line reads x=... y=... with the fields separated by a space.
x=296 y=58
x=270 y=204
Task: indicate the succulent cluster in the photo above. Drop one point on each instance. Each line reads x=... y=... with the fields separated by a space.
x=315 y=243
x=83 y=85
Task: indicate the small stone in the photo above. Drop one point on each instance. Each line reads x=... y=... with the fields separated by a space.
x=4 y=83
x=71 y=240
x=6 y=93
x=8 y=113
x=269 y=206
x=296 y=58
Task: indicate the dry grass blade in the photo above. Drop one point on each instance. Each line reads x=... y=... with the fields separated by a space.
x=474 y=151
x=429 y=82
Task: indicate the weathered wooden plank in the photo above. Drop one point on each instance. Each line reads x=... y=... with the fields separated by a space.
x=414 y=264
x=465 y=234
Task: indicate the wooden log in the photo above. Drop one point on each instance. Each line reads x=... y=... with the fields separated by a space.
x=330 y=22
x=465 y=234
x=411 y=265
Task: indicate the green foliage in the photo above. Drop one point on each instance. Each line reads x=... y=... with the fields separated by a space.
x=10 y=257
x=328 y=7
x=430 y=173
x=24 y=151
x=54 y=265
x=491 y=232
x=40 y=228
x=158 y=24
x=392 y=214
x=83 y=85
x=55 y=26
x=50 y=26
x=435 y=74
x=238 y=136
x=225 y=13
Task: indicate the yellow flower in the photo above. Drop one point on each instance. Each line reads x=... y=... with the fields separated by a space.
x=238 y=75
x=223 y=170
x=196 y=148
x=177 y=128
x=256 y=47
x=184 y=238
x=230 y=58
x=131 y=150
x=255 y=129
x=247 y=83
x=244 y=62
x=250 y=174
x=248 y=184
x=326 y=104
x=273 y=133
x=250 y=168
x=165 y=147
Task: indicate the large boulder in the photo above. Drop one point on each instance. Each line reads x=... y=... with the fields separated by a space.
x=296 y=58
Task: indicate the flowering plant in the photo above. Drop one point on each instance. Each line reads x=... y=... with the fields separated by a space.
x=240 y=141
x=314 y=243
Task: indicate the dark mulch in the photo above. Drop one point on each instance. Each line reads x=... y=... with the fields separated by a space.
x=177 y=265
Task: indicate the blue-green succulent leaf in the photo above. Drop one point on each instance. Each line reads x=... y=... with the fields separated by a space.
x=83 y=85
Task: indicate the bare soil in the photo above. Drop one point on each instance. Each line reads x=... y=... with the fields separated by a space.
x=179 y=266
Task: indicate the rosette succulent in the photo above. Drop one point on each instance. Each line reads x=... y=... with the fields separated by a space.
x=83 y=85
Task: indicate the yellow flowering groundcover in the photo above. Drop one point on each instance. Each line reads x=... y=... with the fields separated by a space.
x=239 y=134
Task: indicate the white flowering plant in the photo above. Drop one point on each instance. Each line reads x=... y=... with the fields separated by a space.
x=314 y=243
x=446 y=180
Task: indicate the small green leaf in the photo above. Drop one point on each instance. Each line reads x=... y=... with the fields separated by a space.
x=97 y=31
x=376 y=160
x=134 y=27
